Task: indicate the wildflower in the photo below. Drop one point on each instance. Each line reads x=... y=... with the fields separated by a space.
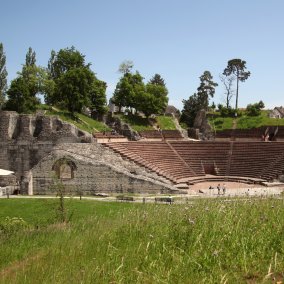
x=215 y=253
x=190 y=221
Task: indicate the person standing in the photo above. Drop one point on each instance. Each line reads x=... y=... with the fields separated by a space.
x=224 y=189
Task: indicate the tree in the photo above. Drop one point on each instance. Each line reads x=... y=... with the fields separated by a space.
x=125 y=67
x=206 y=88
x=199 y=100
x=30 y=57
x=255 y=109
x=148 y=104
x=74 y=83
x=228 y=85
x=73 y=88
x=3 y=75
x=98 y=98
x=127 y=89
x=29 y=83
x=157 y=80
x=190 y=109
x=19 y=98
x=159 y=92
x=237 y=68
x=34 y=75
x=157 y=87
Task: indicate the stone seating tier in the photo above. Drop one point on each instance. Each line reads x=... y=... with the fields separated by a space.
x=180 y=161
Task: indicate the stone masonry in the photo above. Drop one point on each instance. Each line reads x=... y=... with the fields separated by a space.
x=31 y=146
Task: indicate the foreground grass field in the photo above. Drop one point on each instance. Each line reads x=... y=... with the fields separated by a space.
x=204 y=241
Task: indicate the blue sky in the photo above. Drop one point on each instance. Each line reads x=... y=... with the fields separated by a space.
x=178 y=39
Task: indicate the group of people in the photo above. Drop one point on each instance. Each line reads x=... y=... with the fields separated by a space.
x=220 y=188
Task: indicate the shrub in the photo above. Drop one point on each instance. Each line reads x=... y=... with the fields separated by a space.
x=12 y=224
x=255 y=109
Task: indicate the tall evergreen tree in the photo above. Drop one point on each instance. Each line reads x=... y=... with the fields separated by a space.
x=237 y=68
x=30 y=57
x=199 y=100
x=206 y=88
x=157 y=80
x=3 y=76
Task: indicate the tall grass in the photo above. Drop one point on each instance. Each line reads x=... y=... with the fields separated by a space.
x=206 y=241
x=166 y=122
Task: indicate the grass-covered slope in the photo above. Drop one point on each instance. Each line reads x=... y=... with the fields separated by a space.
x=81 y=121
x=139 y=123
x=243 y=122
x=207 y=241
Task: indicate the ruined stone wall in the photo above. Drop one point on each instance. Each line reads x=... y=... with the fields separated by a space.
x=26 y=139
x=96 y=170
x=31 y=145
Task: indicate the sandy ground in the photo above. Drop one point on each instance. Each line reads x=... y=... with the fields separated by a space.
x=199 y=190
x=234 y=189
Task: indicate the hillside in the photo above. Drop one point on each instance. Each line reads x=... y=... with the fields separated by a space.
x=139 y=123
x=219 y=123
x=82 y=121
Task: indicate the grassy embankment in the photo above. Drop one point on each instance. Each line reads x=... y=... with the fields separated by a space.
x=81 y=121
x=88 y=124
x=139 y=123
x=207 y=241
x=244 y=121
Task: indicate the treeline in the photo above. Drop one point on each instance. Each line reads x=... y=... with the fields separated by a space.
x=69 y=83
x=235 y=72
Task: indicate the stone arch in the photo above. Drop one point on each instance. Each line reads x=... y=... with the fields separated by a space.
x=64 y=168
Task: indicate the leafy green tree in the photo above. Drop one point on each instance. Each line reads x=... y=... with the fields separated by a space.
x=237 y=68
x=157 y=87
x=73 y=88
x=147 y=103
x=29 y=83
x=255 y=109
x=199 y=100
x=160 y=94
x=98 y=98
x=19 y=98
x=127 y=90
x=35 y=76
x=131 y=92
x=190 y=109
x=3 y=76
x=72 y=84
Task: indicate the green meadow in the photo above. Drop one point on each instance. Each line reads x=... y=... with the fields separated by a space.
x=203 y=241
